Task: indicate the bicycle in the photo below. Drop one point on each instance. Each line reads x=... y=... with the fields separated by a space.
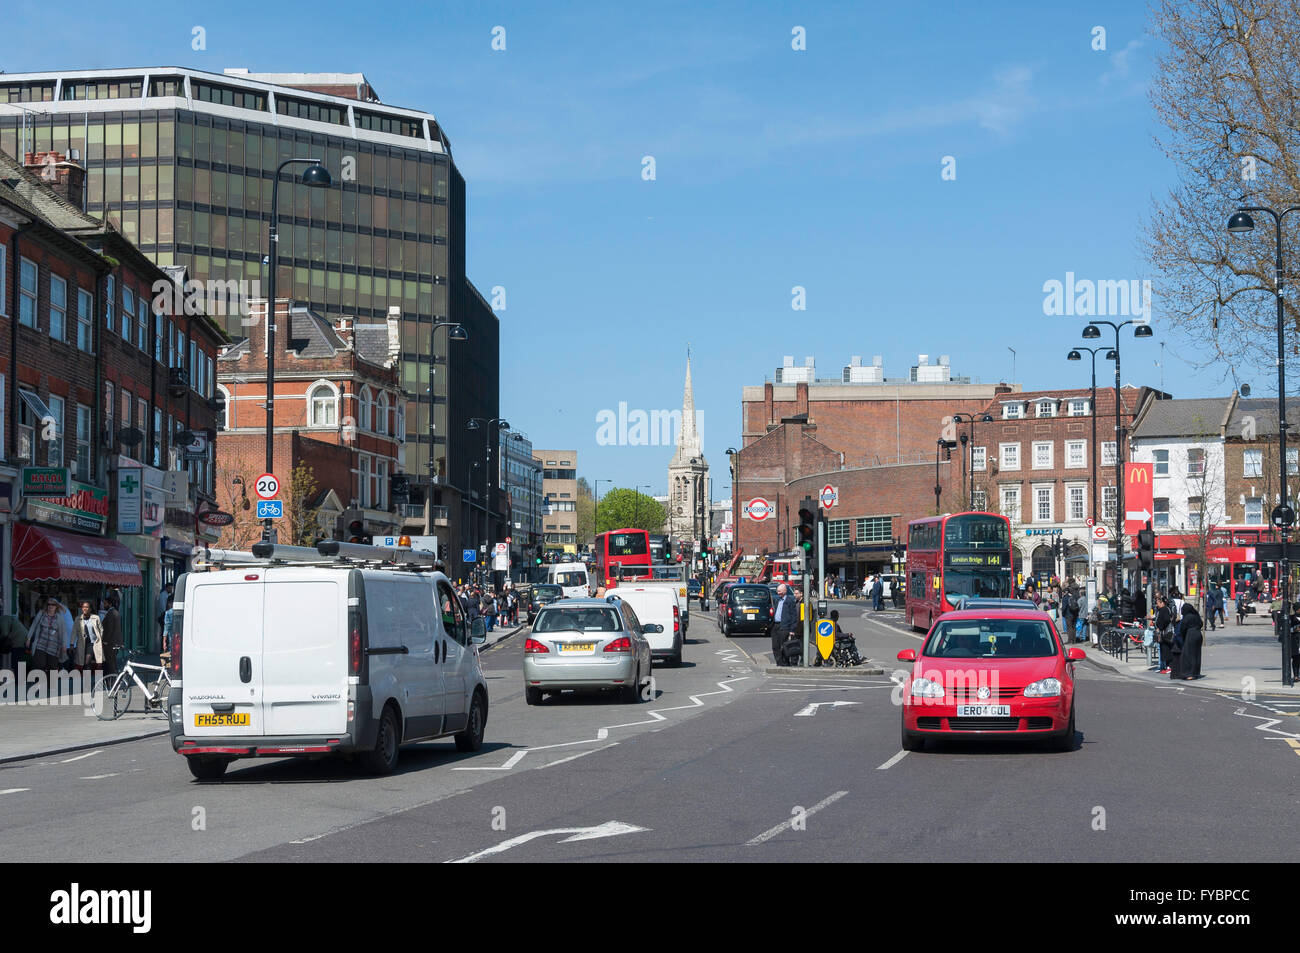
x=113 y=693
x=1117 y=639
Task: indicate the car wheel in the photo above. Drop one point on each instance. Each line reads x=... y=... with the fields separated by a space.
x=726 y=631
x=471 y=739
x=1065 y=740
x=207 y=769
x=911 y=740
x=382 y=759
x=676 y=660
x=630 y=694
x=532 y=696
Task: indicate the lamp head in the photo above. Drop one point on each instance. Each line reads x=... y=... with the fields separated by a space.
x=1074 y=356
x=458 y=333
x=1091 y=332
x=1240 y=223
x=1142 y=331
x=316 y=176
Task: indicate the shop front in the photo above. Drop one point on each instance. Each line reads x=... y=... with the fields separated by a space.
x=141 y=504
x=69 y=566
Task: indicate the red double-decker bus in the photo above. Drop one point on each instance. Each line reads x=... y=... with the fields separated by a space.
x=956 y=555
x=622 y=554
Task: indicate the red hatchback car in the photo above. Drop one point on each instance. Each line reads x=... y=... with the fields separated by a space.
x=990 y=673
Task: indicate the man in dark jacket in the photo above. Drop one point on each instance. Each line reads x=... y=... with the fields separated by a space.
x=787 y=617
x=1127 y=609
x=112 y=625
x=877 y=595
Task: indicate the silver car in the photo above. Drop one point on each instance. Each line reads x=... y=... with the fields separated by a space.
x=585 y=644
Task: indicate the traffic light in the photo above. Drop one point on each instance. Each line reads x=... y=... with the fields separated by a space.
x=352 y=527
x=1147 y=548
x=807 y=526
x=538 y=555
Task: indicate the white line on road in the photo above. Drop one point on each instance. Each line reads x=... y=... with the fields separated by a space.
x=513 y=760
x=81 y=757
x=892 y=761
x=786 y=825
x=808 y=711
x=100 y=777
x=580 y=754
x=608 y=829
x=14 y=790
x=825 y=688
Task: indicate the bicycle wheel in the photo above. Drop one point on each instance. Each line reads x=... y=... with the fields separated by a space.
x=1112 y=640
x=158 y=695
x=112 y=697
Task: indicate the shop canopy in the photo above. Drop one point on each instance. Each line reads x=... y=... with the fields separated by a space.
x=41 y=554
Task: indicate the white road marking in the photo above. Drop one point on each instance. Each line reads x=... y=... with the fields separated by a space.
x=785 y=825
x=100 y=777
x=14 y=790
x=892 y=761
x=809 y=711
x=825 y=688
x=1268 y=723
x=580 y=754
x=608 y=829
x=513 y=760
x=81 y=757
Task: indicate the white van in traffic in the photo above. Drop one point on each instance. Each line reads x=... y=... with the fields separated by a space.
x=656 y=604
x=572 y=578
x=347 y=650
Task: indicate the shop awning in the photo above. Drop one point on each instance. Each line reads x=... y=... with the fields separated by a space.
x=41 y=554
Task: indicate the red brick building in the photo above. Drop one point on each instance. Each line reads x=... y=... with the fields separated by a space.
x=339 y=410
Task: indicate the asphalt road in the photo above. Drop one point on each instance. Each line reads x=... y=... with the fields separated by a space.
x=720 y=766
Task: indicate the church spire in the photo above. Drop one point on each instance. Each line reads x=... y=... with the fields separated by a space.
x=688 y=440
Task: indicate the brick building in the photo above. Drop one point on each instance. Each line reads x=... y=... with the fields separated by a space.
x=96 y=379
x=339 y=413
x=560 y=495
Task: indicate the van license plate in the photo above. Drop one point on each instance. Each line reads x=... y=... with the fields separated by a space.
x=983 y=711
x=218 y=721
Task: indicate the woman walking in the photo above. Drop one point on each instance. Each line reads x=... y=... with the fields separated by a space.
x=1164 y=633
x=1191 y=635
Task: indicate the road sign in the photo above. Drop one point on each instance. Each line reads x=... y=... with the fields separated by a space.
x=1138 y=500
x=1090 y=521
x=1100 y=534
x=825 y=637
x=1282 y=516
x=501 y=549
x=270 y=509
x=267 y=486
x=467 y=556
x=758 y=509
x=828 y=497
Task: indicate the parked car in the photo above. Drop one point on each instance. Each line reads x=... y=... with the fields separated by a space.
x=544 y=593
x=656 y=605
x=990 y=673
x=747 y=608
x=277 y=659
x=585 y=645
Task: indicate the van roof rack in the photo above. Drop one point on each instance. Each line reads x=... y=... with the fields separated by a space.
x=328 y=552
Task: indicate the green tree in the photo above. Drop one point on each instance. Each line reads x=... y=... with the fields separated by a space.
x=586 y=513
x=622 y=508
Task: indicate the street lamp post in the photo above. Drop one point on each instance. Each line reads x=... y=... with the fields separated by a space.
x=315 y=176
x=734 y=454
x=941 y=446
x=1238 y=224
x=969 y=420
x=474 y=424
x=456 y=333
x=1091 y=332
x=1074 y=355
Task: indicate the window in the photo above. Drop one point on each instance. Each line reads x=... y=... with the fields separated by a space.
x=1011 y=503
x=110 y=297
x=85 y=320
x=4 y=276
x=30 y=411
x=364 y=408
x=54 y=447
x=1254 y=511
x=227 y=411
x=364 y=481
x=1252 y=463
x=1292 y=460
x=400 y=430
x=1161 y=458
x=381 y=414
x=1075 y=503
x=1108 y=504
x=1042 y=504
x=158 y=346
x=108 y=413
x=27 y=274
x=128 y=401
x=1194 y=507
x=1161 y=518
x=157 y=442
x=324 y=406
x=128 y=313
x=381 y=484
x=978 y=458
x=83 y=443
x=1043 y=455
x=142 y=422
x=142 y=323
x=1012 y=411
x=837 y=532
x=979 y=500
x=1196 y=462
x=1046 y=408
x=1078 y=408
x=58 y=308
x=1108 y=453
x=1076 y=454
x=1010 y=456
x=875 y=529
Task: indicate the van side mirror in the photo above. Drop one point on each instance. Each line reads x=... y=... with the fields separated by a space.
x=478 y=631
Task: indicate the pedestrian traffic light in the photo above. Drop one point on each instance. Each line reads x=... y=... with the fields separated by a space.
x=1147 y=548
x=807 y=525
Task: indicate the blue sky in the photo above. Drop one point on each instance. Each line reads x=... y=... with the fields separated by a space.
x=774 y=168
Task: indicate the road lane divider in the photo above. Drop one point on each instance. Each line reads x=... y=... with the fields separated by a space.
x=767 y=835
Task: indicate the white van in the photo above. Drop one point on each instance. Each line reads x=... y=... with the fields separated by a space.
x=658 y=605
x=279 y=657
x=572 y=578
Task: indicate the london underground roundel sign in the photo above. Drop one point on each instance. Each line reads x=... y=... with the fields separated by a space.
x=829 y=496
x=759 y=509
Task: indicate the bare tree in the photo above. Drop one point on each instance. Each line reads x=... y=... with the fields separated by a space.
x=1226 y=90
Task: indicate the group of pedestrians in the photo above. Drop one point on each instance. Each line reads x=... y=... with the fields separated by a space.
x=1180 y=635
x=494 y=608
x=56 y=640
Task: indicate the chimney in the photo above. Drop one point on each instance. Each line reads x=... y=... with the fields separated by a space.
x=344 y=328
x=394 y=335
x=65 y=176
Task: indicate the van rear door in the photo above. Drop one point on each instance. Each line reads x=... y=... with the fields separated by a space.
x=222 y=652
x=305 y=652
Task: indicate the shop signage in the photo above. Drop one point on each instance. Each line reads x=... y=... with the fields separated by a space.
x=217 y=518
x=130 y=500
x=154 y=510
x=45 y=481
x=1044 y=532
x=197 y=448
x=84 y=509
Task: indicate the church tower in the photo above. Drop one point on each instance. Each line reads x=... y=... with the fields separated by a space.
x=688 y=475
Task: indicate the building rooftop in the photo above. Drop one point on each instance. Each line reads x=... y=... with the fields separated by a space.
x=1190 y=417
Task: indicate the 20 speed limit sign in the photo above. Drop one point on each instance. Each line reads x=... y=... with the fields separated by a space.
x=267 y=486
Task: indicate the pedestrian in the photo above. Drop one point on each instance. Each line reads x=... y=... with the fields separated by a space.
x=1222 y=601
x=1189 y=638
x=88 y=633
x=48 y=640
x=1241 y=607
x=112 y=628
x=787 y=611
x=490 y=610
x=168 y=616
x=1071 y=607
x=1164 y=633
x=877 y=594
x=1213 y=604
x=164 y=603
x=13 y=642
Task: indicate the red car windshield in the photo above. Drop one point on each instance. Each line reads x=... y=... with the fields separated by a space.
x=990 y=638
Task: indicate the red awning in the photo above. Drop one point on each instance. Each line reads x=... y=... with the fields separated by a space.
x=41 y=554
